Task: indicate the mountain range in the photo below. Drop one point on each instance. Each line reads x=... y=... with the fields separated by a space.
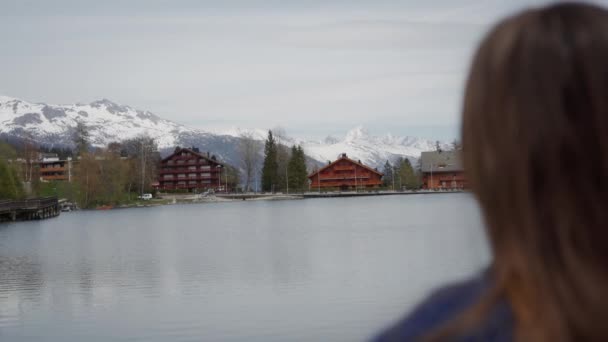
x=53 y=125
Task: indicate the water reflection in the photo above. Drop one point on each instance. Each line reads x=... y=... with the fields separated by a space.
x=327 y=269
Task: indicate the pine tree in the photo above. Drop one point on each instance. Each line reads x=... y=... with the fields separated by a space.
x=81 y=138
x=303 y=171
x=387 y=179
x=407 y=176
x=298 y=176
x=270 y=167
x=456 y=145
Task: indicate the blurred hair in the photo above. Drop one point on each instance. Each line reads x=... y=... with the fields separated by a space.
x=535 y=149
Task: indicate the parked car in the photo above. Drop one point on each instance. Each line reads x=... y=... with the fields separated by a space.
x=145 y=197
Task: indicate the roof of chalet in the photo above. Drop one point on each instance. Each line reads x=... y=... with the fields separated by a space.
x=441 y=161
x=342 y=158
x=198 y=154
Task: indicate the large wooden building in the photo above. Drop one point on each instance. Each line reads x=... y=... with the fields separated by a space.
x=442 y=170
x=345 y=174
x=55 y=169
x=189 y=169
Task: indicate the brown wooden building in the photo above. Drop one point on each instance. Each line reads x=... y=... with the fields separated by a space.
x=442 y=170
x=189 y=169
x=54 y=169
x=345 y=174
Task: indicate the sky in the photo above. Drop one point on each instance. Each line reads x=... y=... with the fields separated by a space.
x=312 y=67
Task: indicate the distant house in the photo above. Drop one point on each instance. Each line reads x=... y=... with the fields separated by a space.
x=442 y=170
x=189 y=169
x=345 y=174
x=54 y=169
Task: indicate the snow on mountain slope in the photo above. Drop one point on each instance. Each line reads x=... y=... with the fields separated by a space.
x=370 y=149
x=358 y=144
x=105 y=120
x=108 y=122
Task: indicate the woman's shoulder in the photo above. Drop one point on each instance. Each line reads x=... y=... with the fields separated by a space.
x=446 y=304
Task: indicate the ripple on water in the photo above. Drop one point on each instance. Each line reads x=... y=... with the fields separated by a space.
x=327 y=269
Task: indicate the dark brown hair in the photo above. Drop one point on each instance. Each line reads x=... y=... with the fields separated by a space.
x=535 y=149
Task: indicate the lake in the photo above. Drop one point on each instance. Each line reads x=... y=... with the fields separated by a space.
x=333 y=269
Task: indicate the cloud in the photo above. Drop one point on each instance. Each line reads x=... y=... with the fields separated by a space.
x=306 y=65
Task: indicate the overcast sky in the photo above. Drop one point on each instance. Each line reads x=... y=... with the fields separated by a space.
x=314 y=67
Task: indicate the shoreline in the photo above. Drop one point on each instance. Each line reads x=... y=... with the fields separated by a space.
x=225 y=198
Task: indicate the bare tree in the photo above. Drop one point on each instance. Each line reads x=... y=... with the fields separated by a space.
x=143 y=152
x=249 y=150
x=30 y=157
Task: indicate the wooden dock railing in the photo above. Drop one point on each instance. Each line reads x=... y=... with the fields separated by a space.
x=29 y=209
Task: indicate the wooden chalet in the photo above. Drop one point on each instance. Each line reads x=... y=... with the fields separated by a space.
x=345 y=174
x=442 y=170
x=189 y=169
x=54 y=169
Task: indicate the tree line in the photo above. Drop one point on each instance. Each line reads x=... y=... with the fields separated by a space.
x=112 y=175
x=99 y=176
x=284 y=169
x=401 y=175
x=10 y=180
x=118 y=172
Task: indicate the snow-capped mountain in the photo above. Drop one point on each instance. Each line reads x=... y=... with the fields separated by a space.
x=105 y=120
x=358 y=143
x=108 y=122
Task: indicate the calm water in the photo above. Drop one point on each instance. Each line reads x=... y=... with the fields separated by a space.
x=308 y=270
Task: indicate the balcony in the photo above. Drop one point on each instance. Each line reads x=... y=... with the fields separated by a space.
x=186 y=186
x=168 y=170
x=337 y=184
x=53 y=169
x=342 y=178
x=54 y=177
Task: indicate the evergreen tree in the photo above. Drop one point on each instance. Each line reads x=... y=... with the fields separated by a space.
x=81 y=138
x=387 y=179
x=438 y=146
x=407 y=177
x=270 y=167
x=298 y=176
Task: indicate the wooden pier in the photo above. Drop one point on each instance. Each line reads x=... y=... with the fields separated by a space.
x=29 y=209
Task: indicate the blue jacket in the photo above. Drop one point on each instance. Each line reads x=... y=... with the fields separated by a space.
x=445 y=305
